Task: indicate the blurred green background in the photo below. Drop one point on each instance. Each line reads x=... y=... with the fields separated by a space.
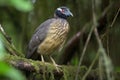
x=21 y=17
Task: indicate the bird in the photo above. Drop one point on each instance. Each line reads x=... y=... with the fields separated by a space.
x=50 y=35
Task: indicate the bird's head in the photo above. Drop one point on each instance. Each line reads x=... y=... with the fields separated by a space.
x=63 y=12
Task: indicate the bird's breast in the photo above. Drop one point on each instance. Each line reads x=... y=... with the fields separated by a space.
x=55 y=37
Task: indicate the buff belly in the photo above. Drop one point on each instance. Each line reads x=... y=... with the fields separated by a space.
x=55 y=37
x=49 y=45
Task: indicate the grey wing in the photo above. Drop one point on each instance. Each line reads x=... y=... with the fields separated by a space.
x=38 y=37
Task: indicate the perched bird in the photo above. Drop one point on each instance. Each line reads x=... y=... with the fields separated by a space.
x=50 y=35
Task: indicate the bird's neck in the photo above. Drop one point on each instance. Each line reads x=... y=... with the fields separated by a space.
x=55 y=16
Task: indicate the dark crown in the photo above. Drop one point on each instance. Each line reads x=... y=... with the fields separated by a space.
x=63 y=12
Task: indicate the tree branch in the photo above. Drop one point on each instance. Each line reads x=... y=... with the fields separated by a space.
x=8 y=43
x=38 y=67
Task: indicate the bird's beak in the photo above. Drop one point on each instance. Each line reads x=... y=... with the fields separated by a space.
x=67 y=13
x=71 y=14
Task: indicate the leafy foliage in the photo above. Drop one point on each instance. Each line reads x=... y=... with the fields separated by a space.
x=22 y=5
x=6 y=70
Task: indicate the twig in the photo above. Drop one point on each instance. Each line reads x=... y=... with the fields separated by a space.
x=5 y=35
x=9 y=45
x=115 y=18
x=107 y=61
x=93 y=26
x=96 y=34
x=83 y=52
x=92 y=64
x=113 y=22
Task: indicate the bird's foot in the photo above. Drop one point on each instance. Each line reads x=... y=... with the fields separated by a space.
x=56 y=65
x=43 y=61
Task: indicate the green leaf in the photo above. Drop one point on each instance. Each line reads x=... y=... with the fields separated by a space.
x=10 y=72
x=22 y=5
x=2 y=51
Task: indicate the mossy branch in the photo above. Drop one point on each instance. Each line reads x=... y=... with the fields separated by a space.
x=39 y=68
x=8 y=43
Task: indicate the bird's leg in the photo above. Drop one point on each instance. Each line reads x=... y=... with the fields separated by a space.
x=44 y=77
x=42 y=59
x=54 y=63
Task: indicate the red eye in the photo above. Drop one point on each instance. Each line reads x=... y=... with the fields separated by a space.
x=63 y=10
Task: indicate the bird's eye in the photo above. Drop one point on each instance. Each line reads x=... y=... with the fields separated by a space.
x=63 y=10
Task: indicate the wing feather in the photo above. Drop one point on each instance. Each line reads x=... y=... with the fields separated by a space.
x=38 y=37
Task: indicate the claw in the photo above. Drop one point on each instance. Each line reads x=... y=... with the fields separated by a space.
x=56 y=65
